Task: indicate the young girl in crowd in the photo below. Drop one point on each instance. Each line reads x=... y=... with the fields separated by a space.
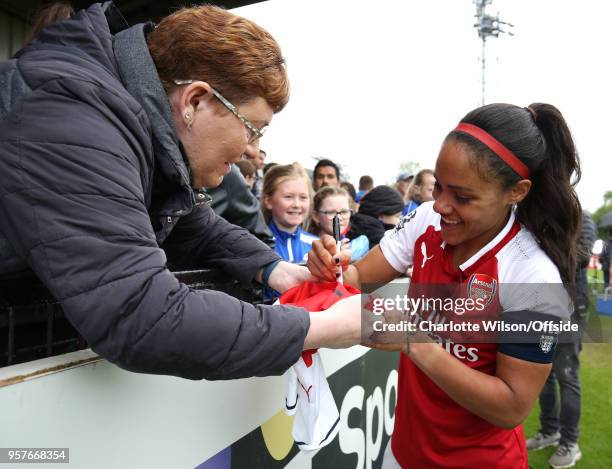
x=504 y=211
x=329 y=201
x=286 y=197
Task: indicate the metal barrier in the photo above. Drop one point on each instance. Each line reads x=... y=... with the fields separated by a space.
x=33 y=324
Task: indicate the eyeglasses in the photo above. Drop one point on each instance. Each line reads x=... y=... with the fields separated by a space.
x=255 y=133
x=330 y=214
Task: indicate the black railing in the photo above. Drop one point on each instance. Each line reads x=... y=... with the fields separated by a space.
x=33 y=325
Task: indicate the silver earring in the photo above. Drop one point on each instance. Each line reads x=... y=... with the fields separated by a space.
x=188 y=119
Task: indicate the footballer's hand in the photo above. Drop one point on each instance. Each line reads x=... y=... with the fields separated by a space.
x=324 y=259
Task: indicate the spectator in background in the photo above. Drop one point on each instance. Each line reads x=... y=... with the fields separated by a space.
x=609 y=274
x=247 y=170
x=559 y=418
x=585 y=243
x=234 y=201
x=402 y=184
x=379 y=211
x=326 y=173
x=348 y=187
x=604 y=258
x=267 y=168
x=328 y=202
x=421 y=190
x=258 y=163
x=366 y=183
x=286 y=201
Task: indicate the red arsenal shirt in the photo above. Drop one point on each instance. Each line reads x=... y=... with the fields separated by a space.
x=431 y=430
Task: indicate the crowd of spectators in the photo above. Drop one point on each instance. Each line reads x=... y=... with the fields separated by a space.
x=292 y=208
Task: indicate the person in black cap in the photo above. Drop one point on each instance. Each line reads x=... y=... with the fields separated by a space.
x=379 y=211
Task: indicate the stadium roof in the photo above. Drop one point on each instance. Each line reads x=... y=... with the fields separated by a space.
x=134 y=11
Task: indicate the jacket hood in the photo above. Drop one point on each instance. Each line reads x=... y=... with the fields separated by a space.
x=140 y=78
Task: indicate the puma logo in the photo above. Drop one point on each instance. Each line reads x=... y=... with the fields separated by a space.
x=424 y=253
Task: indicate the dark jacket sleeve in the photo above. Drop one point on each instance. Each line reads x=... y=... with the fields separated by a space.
x=234 y=201
x=74 y=161
x=203 y=238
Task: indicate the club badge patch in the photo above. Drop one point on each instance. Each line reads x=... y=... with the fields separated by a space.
x=546 y=343
x=482 y=286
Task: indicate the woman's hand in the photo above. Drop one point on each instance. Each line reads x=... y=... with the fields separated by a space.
x=324 y=260
x=286 y=275
x=393 y=331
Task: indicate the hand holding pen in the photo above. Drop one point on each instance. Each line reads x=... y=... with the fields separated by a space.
x=336 y=226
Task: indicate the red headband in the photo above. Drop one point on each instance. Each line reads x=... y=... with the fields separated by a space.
x=497 y=147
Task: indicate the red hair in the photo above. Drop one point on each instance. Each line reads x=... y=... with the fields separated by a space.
x=234 y=55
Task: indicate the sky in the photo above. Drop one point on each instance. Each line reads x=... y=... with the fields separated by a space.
x=375 y=84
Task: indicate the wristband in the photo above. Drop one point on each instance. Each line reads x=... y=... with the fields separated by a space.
x=267 y=271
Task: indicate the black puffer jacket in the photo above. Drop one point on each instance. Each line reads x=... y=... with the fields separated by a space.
x=93 y=181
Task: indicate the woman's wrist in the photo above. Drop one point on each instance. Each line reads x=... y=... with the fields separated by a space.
x=351 y=276
x=337 y=327
x=266 y=272
x=286 y=275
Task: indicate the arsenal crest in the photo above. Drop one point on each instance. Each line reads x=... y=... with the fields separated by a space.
x=482 y=286
x=546 y=343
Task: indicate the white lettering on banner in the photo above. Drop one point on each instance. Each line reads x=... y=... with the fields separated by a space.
x=374 y=405
x=353 y=440
x=390 y=411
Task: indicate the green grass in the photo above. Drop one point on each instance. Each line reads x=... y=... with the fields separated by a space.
x=595 y=279
x=596 y=420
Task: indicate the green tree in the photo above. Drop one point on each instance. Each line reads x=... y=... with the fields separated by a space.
x=409 y=166
x=412 y=167
x=601 y=211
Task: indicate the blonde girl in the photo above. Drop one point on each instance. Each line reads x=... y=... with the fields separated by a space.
x=286 y=200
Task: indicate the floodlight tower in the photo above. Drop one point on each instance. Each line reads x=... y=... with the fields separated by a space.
x=487 y=26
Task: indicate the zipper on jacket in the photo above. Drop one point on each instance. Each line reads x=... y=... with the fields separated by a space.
x=202 y=198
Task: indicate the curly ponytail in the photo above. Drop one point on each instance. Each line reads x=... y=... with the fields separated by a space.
x=539 y=136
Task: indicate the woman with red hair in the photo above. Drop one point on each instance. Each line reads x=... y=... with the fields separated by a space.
x=109 y=135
